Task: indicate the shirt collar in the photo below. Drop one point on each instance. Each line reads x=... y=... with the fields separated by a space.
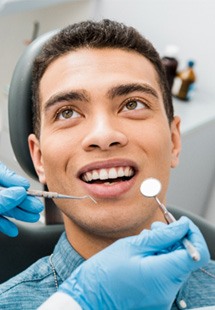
x=65 y=258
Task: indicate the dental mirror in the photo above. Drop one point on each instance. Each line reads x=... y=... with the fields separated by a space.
x=150 y=187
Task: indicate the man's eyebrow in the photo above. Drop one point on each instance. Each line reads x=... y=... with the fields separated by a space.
x=126 y=89
x=66 y=96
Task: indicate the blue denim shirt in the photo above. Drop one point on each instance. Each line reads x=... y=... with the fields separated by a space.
x=29 y=289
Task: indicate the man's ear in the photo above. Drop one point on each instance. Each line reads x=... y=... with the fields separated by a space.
x=36 y=155
x=176 y=141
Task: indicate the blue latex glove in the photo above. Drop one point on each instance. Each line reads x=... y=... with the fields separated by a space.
x=15 y=203
x=139 y=272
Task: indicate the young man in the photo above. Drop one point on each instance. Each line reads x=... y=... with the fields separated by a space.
x=103 y=122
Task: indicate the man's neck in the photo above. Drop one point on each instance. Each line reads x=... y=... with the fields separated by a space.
x=87 y=244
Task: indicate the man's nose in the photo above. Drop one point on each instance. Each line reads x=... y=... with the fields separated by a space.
x=104 y=134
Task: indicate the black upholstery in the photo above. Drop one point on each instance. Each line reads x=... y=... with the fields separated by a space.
x=33 y=242
x=20 y=104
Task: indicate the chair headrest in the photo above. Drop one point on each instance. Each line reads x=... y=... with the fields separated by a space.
x=20 y=104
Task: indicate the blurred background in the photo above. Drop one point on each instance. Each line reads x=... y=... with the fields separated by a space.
x=187 y=24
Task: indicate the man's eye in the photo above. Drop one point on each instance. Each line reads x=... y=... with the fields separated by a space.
x=67 y=113
x=133 y=104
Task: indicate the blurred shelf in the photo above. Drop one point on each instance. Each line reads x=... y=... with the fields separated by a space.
x=195 y=113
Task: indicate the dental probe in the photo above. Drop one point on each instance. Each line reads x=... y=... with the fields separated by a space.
x=46 y=194
x=187 y=244
x=150 y=188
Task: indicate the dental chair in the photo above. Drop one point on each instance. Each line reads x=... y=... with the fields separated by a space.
x=37 y=240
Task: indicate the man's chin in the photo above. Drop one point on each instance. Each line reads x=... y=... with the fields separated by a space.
x=110 y=231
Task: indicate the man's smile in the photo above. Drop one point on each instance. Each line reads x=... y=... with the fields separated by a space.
x=99 y=176
x=108 y=175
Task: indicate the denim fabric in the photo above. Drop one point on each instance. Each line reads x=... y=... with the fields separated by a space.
x=199 y=290
x=31 y=288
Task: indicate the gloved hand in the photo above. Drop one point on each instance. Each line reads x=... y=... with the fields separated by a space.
x=139 y=272
x=15 y=203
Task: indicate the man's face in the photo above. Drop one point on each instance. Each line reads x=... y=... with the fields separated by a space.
x=103 y=131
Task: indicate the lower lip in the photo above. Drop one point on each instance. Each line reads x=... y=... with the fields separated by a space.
x=113 y=190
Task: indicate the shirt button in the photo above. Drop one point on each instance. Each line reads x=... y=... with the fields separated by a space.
x=182 y=304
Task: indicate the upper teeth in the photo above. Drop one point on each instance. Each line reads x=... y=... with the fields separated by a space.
x=111 y=173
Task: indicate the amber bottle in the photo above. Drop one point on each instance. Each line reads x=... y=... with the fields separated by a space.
x=184 y=82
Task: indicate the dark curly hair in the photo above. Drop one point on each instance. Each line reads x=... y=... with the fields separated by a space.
x=102 y=34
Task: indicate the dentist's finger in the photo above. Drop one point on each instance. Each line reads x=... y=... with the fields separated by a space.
x=9 y=178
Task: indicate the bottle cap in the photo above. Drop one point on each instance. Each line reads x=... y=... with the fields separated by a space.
x=190 y=63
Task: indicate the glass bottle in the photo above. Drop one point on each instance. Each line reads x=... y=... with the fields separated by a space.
x=170 y=63
x=184 y=83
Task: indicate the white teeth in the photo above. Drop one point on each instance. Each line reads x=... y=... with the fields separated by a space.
x=112 y=173
x=88 y=176
x=127 y=171
x=95 y=175
x=120 y=172
x=105 y=174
